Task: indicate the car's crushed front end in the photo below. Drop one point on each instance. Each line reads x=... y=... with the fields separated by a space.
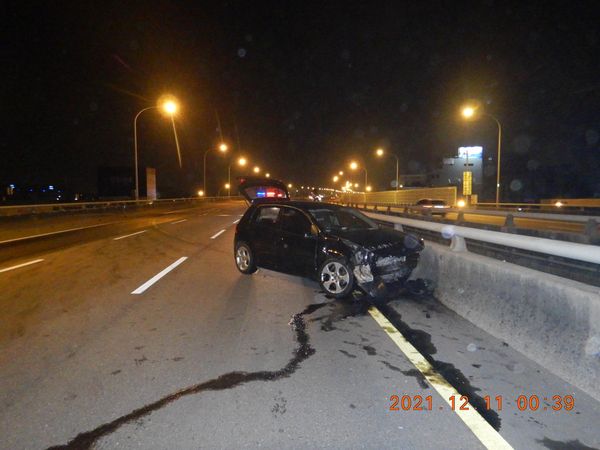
x=383 y=267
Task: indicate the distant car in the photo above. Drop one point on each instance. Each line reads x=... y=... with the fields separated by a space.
x=315 y=197
x=339 y=247
x=438 y=207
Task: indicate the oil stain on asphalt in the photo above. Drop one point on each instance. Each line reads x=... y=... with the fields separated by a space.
x=227 y=381
x=339 y=311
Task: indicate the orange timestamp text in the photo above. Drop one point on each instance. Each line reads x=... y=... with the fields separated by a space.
x=462 y=403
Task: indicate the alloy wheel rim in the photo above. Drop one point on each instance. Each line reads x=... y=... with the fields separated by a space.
x=242 y=258
x=335 y=277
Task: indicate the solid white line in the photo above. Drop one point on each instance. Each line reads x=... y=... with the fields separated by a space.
x=218 y=234
x=21 y=265
x=55 y=232
x=127 y=235
x=178 y=221
x=236 y=221
x=158 y=276
x=488 y=436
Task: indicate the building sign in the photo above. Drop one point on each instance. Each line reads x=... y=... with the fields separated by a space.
x=467 y=183
x=470 y=152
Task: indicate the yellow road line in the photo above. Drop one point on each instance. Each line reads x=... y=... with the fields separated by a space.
x=488 y=436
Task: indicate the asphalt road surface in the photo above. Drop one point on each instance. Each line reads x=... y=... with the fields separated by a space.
x=142 y=334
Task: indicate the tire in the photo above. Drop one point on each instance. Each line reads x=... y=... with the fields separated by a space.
x=244 y=258
x=336 y=278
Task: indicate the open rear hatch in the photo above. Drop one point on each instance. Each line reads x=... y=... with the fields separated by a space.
x=254 y=188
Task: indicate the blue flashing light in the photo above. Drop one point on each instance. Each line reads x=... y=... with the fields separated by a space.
x=50 y=187
x=261 y=194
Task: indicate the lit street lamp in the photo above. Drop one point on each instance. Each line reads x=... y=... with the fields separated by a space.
x=335 y=178
x=222 y=149
x=169 y=107
x=240 y=162
x=470 y=113
x=380 y=152
x=268 y=175
x=256 y=169
x=354 y=166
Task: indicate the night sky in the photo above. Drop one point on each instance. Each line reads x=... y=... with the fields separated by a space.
x=307 y=86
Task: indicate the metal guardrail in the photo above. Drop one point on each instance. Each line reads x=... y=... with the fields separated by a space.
x=43 y=208
x=458 y=234
x=589 y=224
x=536 y=214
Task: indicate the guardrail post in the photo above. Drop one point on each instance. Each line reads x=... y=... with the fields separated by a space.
x=461 y=217
x=398 y=226
x=591 y=230
x=374 y=208
x=405 y=212
x=509 y=223
x=389 y=209
x=458 y=244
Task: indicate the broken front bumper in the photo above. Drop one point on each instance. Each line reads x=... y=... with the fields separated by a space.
x=377 y=274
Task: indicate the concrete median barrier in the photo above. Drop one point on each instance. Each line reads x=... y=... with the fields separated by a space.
x=552 y=320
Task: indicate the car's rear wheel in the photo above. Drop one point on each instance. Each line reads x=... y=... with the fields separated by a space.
x=244 y=258
x=336 y=278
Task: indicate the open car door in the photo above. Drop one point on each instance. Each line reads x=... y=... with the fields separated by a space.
x=253 y=188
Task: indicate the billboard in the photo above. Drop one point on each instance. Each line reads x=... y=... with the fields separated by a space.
x=470 y=152
x=150 y=183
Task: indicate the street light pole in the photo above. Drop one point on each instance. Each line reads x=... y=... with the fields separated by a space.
x=222 y=148
x=397 y=177
x=498 y=167
x=229 y=180
x=135 y=150
x=177 y=141
x=470 y=112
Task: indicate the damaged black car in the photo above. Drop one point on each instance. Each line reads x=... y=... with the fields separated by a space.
x=338 y=246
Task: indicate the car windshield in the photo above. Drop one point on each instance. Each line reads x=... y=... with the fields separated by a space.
x=341 y=219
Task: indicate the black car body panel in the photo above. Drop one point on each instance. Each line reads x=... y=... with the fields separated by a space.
x=298 y=242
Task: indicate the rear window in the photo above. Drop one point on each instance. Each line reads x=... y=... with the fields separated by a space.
x=342 y=219
x=267 y=215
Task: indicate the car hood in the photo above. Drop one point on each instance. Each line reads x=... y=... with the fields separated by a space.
x=381 y=239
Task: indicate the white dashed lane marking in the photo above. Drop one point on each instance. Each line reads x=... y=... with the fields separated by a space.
x=18 y=266
x=216 y=235
x=158 y=276
x=129 y=235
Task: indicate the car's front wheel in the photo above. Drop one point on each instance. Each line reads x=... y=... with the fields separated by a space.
x=336 y=278
x=244 y=259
